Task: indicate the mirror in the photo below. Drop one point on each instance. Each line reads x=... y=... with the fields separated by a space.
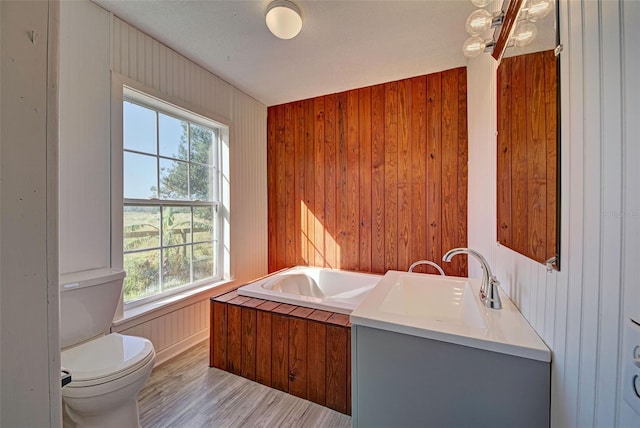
x=528 y=120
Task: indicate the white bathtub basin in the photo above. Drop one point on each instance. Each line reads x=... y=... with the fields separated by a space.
x=448 y=309
x=326 y=289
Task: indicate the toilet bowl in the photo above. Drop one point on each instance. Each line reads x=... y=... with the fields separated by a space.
x=107 y=370
x=107 y=374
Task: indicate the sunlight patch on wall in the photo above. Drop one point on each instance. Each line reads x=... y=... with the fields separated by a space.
x=315 y=240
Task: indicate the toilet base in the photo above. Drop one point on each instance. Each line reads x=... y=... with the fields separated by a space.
x=124 y=416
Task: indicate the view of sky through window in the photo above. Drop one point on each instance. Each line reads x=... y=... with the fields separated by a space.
x=170 y=225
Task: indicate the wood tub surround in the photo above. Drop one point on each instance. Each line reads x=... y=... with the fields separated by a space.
x=370 y=179
x=302 y=351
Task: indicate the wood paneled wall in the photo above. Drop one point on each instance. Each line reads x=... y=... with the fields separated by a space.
x=370 y=179
x=527 y=154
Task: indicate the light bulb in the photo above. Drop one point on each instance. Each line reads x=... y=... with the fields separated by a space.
x=538 y=9
x=481 y=3
x=473 y=46
x=478 y=22
x=524 y=34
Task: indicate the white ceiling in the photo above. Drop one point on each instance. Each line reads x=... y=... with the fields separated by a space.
x=343 y=44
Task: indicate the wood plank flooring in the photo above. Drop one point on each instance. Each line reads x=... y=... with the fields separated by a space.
x=185 y=392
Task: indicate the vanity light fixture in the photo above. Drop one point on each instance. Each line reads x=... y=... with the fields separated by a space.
x=538 y=9
x=474 y=46
x=283 y=19
x=524 y=34
x=481 y=20
x=477 y=23
x=522 y=13
x=481 y=3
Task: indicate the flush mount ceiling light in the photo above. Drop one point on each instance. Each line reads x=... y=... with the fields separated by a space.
x=283 y=19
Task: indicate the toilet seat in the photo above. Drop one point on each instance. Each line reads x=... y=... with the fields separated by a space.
x=106 y=359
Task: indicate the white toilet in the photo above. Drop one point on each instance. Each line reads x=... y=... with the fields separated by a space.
x=107 y=369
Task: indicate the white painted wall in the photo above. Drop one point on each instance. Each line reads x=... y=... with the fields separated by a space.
x=29 y=348
x=630 y=189
x=137 y=56
x=94 y=44
x=174 y=331
x=579 y=311
x=2 y=37
x=85 y=92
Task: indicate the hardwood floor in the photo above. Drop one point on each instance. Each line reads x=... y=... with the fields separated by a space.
x=185 y=392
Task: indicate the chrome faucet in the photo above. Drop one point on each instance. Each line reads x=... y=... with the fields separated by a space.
x=489 y=286
x=426 y=262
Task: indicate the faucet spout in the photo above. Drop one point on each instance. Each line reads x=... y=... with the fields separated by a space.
x=426 y=262
x=489 y=285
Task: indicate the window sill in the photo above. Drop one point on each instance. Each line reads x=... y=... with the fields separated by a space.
x=157 y=308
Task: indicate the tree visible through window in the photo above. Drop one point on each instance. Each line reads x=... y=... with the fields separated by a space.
x=170 y=201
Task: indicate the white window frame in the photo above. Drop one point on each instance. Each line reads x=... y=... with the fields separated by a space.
x=122 y=89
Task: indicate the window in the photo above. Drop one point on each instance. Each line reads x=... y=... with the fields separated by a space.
x=171 y=205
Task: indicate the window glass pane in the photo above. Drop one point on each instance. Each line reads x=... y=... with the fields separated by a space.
x=176 y=267
x=202 y=224
x=141 y=227
x=143 y=274
x=203 y=261
x=174 y=180
x=168 y=243
x=176 y=225
x=140 y=175
x=201 y=182
x=139 y=128
x=173 y=137
x=201 y=141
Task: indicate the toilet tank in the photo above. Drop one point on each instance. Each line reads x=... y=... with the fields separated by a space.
x=88 y=302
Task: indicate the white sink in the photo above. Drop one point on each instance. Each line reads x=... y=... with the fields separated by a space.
x=448 y=309
x=444 y=300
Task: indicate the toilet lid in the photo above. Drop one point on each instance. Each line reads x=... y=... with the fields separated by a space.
x=107 y=357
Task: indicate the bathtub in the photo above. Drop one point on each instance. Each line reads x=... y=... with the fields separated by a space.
x=318 y=288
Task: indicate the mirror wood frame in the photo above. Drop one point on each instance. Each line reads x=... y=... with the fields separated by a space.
x=528 y=161
x=510 y=17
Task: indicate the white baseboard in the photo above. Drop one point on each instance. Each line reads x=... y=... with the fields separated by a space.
x=179 y=347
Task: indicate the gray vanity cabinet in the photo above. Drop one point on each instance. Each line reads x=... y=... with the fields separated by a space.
x=400 y=380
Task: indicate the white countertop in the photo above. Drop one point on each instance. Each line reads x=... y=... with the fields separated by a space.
x=448 y=309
